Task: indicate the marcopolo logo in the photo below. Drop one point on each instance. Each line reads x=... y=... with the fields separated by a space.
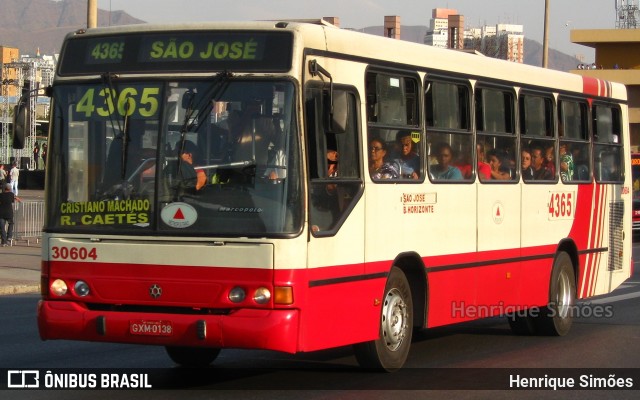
x=179 y=215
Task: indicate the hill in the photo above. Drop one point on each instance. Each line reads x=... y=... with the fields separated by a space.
x=30 y=25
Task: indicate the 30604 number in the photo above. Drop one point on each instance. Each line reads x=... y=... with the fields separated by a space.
x=73 y=253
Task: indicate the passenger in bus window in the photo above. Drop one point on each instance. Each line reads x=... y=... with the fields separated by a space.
x=484 y=169
x=499 y=161
x=332 y=169
x=464 y=164
x=540 y=171
x=325 y=198
x=525 y=163
x=378 y=168
x=609 y=166
x=549 y=156
x=443 y=170
x=408 y=160
x=332 y=163
x=566 y=163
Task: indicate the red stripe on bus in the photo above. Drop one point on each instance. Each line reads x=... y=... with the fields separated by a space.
x=590 y=86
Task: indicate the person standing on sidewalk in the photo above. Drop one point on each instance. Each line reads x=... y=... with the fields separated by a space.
x=7 y=198
x=3 y=175
x=14 y=174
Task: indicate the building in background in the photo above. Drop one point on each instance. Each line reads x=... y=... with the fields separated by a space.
x=438 y=33
x=503 y=41
x=8 y=75
x=617 y=59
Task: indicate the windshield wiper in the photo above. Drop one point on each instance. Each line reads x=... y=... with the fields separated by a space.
x=107 y=80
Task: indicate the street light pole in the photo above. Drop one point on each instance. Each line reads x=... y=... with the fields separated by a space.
x=92 y=13
x=545 y=40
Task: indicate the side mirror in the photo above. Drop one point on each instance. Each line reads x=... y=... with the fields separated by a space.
x=20 y=125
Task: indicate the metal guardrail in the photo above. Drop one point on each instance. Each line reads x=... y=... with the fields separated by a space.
x=28 y=219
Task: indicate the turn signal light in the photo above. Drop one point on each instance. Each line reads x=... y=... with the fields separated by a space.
x=283 y=295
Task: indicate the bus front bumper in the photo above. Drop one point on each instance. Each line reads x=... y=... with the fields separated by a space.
x=241 y=329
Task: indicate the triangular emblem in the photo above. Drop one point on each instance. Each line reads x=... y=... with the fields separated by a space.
x=178 y=214
x=498 y=212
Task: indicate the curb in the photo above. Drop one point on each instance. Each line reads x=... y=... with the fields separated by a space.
x=19 y=289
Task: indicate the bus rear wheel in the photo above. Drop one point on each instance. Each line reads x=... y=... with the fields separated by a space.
x=557 y=317
x=192 y=356
x=389 y=352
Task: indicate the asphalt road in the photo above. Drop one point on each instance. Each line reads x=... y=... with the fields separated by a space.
x=460 y=360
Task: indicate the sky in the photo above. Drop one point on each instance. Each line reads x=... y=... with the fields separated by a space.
x=564 y=14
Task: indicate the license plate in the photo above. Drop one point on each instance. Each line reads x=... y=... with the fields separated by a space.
x=150 y=328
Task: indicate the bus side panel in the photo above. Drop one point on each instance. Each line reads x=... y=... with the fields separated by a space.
x=536 y=274
x=447 y=306
x=478 y=285
x=341 y=313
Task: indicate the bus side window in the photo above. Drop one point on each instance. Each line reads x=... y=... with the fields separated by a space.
x=495 y=124
x=573 y=130
x=538 y=140
x=447 y=114
x=395 y=140
x=607 y=149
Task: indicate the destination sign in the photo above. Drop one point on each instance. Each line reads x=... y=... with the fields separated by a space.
x=194 y=51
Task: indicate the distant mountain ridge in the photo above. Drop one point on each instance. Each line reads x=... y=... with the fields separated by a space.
x=30 y=25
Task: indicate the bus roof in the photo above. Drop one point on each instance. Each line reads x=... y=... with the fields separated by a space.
x=321 y=36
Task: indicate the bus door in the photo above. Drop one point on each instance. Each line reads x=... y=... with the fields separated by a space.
x=336 y=226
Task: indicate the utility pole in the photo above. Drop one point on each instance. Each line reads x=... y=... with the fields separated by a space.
x=92 y=13
x=545 y=40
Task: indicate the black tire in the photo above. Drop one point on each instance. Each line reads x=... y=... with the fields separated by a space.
x=192 y=356
x=557 y=317
x=389 y=352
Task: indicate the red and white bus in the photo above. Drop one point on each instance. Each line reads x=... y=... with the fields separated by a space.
x=194 y=200
x=635 y=175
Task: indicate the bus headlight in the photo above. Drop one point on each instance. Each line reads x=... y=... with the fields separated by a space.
x=237 y=294
x=262 y=295
x=81 y=288
x=59 y=287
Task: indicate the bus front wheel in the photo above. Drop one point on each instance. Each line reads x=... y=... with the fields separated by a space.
x=192 y=356
x=557 y=317
x=389 y=352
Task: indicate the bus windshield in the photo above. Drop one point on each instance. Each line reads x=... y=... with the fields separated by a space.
x=215 y=156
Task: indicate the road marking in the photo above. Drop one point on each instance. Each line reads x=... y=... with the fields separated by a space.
x=613 y=299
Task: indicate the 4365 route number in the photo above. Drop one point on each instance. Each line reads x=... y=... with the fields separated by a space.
x=104 y=102
x=561 y=205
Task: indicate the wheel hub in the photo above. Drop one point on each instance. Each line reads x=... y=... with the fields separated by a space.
x=394 y=319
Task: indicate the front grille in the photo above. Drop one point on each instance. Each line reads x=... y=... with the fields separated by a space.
x=157 y=309
x=616 y=217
